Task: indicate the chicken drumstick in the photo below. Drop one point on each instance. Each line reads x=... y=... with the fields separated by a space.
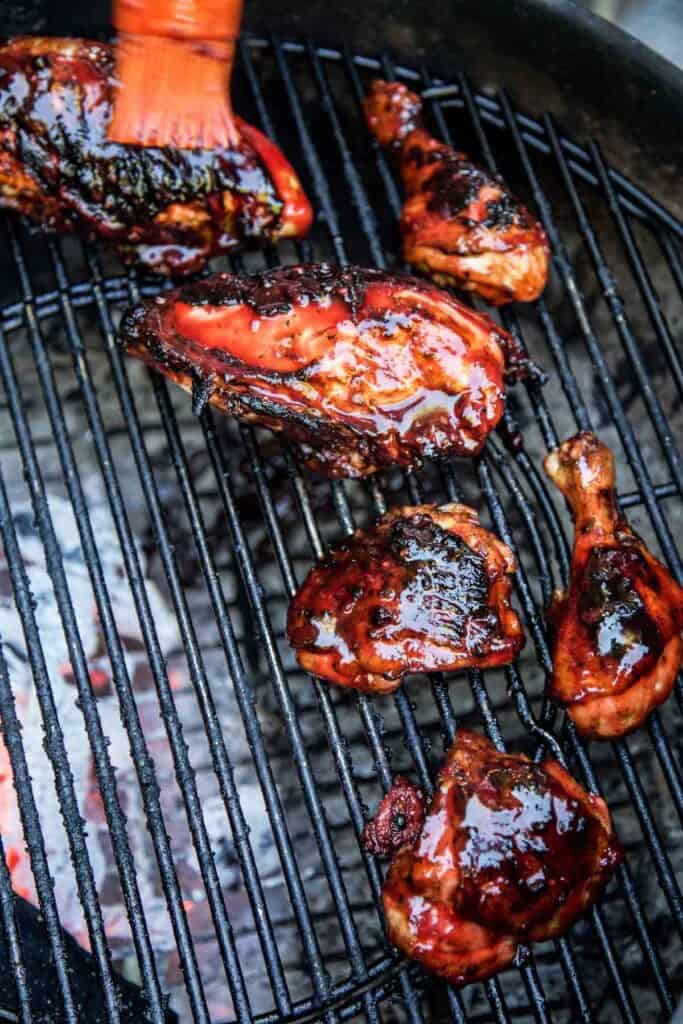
x=617 y=645
x=460 y=224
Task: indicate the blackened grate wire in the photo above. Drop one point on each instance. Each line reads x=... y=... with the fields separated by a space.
x=232 y=802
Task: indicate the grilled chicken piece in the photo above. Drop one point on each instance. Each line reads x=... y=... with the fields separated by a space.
x=359 y=368
x=168 y=210
x=427 y=589
x=460 y=224
x=510 y=852
x=617 y=642
x=399 y=819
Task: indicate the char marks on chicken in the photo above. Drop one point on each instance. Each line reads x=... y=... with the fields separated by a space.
x=426 y=589
x=617 y=628
x=360 y=369
x=167 y=209
x=510 y=852
x=460 y=224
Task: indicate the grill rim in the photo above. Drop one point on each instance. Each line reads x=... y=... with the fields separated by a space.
x=65 y=300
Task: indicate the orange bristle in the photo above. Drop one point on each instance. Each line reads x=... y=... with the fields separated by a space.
x=173 y=65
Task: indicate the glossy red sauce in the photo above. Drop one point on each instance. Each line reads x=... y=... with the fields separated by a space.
x=362 y=367
x=283 y=343
x=509 y=851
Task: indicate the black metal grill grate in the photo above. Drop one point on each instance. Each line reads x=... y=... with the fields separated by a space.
x=221 y=731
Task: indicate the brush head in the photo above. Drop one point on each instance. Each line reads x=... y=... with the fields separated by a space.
x=173 y=66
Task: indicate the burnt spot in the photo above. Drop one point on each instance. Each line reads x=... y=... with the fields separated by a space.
x=275 y=292
x=457 y=183
x=504 y=211
x=448 y=579
x=454 y=186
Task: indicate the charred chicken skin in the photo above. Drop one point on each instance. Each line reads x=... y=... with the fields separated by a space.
x=359 y=368
x=510 y=852
x=617 y=628
x=460 y=224
x=167 y=209
x=426 y=589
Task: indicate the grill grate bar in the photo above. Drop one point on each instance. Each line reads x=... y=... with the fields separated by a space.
x=343 y=761
x=200 y=682
x=54 y=735
x=617 y=308
x=281 y=686
x=289 y=580
x=167 y=702
x=370 y=718
x=222 y=763
x=174 y=729
x=116 y=818
x=673 y=258
x=77 y=655
x=10 y=928
x=365 y=707
x=242 y=692
x=323 y=195
x=624 y=428
x=11 y=731
x=640 y=272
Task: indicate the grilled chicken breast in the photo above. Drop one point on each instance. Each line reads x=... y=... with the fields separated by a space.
x=168 y=210
x=509 y=852
x=359 y=368
x=426 y=589
x=460 y=224
x=617 y=629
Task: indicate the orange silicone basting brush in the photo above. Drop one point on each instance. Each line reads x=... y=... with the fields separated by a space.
x=173 y=65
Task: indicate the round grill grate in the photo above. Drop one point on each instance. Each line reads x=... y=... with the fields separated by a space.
x=188 y=536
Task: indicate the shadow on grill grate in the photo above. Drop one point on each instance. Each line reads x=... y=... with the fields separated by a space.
x=211 y=796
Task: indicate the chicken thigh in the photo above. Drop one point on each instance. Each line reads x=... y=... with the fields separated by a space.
x=167 y=209
x=426 y=589
x=510 y=852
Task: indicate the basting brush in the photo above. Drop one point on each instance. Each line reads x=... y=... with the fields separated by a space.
x=173 y=65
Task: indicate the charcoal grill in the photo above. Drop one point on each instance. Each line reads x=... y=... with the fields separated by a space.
x=188 y=535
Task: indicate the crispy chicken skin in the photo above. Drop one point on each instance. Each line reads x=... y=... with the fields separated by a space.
x=359 y=368
x=510 y=852
x=460 y=224
x=168 y=210
x=617 y=629
x=426 y=589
